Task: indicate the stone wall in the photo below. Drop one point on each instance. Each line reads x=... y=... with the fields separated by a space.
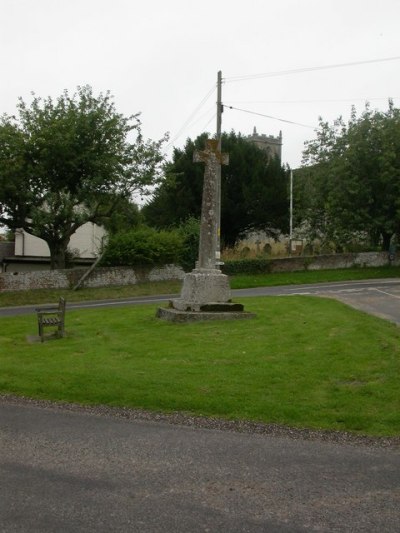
x=333 y=261
x=100 y=277
x=118 y=276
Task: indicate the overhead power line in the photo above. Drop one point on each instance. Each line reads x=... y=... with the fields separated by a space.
x=313 y=101
x=192 y=115
x=209 y=121
x=308 y=69
x=269 y=116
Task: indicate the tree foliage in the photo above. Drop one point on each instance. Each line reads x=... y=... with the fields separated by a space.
x=69 y=161
x=254 y=190
x=351 y=183
x=123 y=217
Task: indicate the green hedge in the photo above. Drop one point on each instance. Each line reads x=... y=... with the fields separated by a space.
x=189 y=232
x=247 y=266
x=143 y=246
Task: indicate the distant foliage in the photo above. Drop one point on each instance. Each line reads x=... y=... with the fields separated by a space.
x=350 y=188
x=254 y=190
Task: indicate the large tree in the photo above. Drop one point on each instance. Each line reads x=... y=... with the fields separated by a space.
x=254 y=190
x=351 y=183
x=69 y=161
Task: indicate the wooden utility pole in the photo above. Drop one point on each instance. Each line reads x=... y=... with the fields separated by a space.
x=291 y=213
x=218 y=170
x=219 y=106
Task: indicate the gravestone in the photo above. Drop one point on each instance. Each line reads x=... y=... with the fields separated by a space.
x=206 y=293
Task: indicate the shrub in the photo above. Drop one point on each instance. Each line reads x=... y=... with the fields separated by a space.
x=143 y=246
x=246 y=266
x=189 y=232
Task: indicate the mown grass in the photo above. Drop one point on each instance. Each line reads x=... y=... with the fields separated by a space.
x=239 y=281
x=243 y=281
x=40 y=296
x=303 y=361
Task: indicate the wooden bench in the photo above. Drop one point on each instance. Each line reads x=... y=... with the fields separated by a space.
x=52 y=317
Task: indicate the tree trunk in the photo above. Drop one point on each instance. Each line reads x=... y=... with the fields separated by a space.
x=386 y=240
x=57 y=255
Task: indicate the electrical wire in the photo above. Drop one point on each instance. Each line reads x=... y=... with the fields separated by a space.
x=192 y=115
x=316 y=101
x=205 y=114
x=269 y=116
x=307 y=69
x=213 y=117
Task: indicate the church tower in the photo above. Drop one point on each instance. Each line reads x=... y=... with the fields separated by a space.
x=272 y=145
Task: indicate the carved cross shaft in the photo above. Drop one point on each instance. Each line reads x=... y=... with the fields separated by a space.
x=209 y=226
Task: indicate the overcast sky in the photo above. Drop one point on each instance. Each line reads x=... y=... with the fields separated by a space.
x=161 y=58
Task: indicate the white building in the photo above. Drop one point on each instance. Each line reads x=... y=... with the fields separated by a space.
x=32 y=253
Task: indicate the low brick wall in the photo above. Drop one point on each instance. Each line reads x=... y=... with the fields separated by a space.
x=100 y=277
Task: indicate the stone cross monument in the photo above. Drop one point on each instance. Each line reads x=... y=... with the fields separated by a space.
x=205 y=292
x=206 y=288
x=209 y=210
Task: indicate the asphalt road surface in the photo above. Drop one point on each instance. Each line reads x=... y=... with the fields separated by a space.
x=74 y=471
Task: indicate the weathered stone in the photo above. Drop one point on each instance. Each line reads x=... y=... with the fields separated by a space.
x=206 y=294
x=100 y=277
x=202 y=286
x=174 y=315
x=213 y=159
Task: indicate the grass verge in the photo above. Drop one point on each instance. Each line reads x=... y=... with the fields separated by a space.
x=41 y=296
x=303 y=361
x=244 y=281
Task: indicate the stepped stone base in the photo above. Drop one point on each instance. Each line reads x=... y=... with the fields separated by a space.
x=205 y=295
x=173 y=315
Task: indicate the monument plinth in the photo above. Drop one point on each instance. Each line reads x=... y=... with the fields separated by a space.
x=201 y=287
x=206 y=293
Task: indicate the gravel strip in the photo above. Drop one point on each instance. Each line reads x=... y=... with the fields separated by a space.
x=239 y=426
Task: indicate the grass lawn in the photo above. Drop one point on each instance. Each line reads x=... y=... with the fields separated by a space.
x=303 y=361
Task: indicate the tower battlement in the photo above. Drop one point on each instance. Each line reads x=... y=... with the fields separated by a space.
x=269 y=143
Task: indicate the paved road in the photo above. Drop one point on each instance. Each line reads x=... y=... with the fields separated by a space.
x=63 y=471
x=378 y=297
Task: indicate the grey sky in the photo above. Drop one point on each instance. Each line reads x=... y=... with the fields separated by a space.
x=161 y=58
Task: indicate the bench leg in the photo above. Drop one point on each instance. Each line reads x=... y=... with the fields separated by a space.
x=61 y=330
x=41 y=332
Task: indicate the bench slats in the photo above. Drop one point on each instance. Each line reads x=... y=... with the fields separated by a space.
x=52 y=316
